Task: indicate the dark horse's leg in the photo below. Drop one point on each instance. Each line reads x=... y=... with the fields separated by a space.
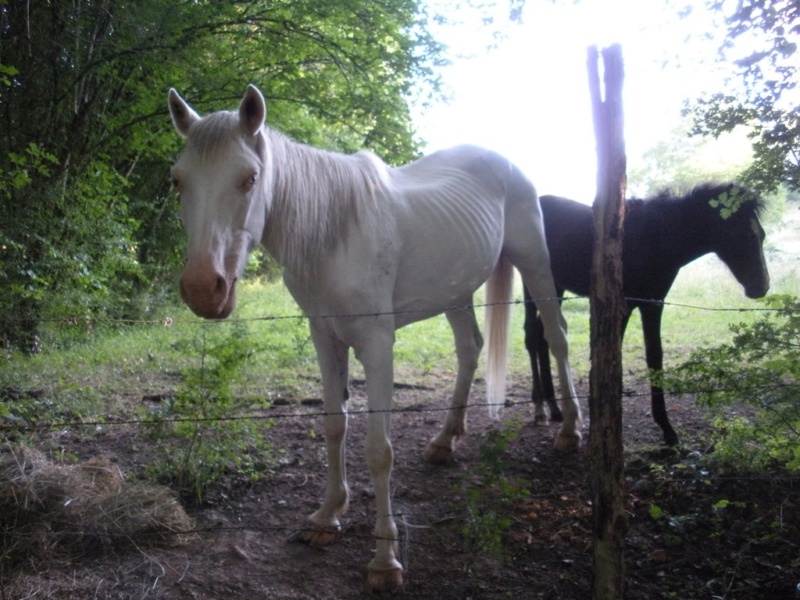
x=539 y=353
x=651 y=328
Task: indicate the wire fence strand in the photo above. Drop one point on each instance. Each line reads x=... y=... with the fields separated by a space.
x=19 y=425
x=169 y=321
x=417 y=520
x=316 y=414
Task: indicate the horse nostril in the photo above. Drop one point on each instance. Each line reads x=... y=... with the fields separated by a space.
x=221 y=288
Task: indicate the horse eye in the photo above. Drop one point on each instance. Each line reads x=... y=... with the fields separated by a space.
x=249 y=182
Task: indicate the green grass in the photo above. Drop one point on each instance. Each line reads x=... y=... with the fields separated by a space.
x=116 y=363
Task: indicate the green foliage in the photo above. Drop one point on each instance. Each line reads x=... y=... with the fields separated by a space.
x=88 y=225
x=761 y=38
x=34 y=161
x=201 y=432
x=21 y=409
x=6 y=73
x=729 y=202
x=490 y=505
x=760 y=368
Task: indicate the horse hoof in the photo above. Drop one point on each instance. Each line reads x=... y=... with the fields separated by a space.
x=671 y=438
x=567 y=442
x=541 y=420
x=385 y=579
x=436 y=454
x=316 y=536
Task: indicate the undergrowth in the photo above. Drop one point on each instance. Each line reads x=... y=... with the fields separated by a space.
x=490 y=506
x=758 y=369
x=204 y=432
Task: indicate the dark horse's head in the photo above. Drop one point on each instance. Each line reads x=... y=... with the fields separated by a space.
x=738 y=237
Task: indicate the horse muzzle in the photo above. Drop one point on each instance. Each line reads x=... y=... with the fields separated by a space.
x=757 y=291
x=207 y=292
x=758 y=286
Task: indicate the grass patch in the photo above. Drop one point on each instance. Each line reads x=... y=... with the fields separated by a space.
x=91 y=378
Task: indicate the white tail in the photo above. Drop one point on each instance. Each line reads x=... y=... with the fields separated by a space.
x=497 y=317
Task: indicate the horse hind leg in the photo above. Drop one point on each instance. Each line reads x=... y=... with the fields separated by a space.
x=569 y=435
x=539 y=353
x=534 y=337
x=469 y=342
x=537 y=277
x=547 y=378
x=525 y=245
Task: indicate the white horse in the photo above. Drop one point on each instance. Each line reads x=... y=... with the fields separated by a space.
x=366 y=249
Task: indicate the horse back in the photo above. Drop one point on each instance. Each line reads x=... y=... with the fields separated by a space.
x=648 y=257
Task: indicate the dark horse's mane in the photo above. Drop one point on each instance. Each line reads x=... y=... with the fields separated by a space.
x=701 y=195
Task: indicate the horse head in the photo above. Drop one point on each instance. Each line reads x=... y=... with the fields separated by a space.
x=220 y=179
x=741 y=238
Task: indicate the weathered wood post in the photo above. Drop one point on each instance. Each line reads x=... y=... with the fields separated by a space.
x=607 y=305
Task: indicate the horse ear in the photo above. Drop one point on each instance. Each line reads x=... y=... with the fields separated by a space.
x=252 y=111
x=182 y=114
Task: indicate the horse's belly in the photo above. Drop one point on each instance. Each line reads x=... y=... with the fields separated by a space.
x=435 y=275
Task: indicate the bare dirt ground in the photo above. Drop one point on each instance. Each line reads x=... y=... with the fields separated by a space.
x=692 y=533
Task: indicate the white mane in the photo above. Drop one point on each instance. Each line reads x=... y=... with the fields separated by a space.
x=315 y=196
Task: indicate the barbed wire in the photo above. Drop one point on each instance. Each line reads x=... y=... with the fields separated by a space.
x=508 y=403
x=168 y=320
x=404 y=518
x=20 y=424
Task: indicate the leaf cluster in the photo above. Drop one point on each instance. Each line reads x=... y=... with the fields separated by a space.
x=201 y=434
x=759 y=370
x=490 y=507
x=761 y=43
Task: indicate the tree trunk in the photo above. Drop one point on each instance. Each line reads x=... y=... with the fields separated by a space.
x=607 y=310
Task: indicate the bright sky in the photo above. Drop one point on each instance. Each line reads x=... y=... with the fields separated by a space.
x=528 y=99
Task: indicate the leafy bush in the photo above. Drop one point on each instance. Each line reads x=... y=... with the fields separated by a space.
x=202 y=434
x=490 y=506
x=760 y=368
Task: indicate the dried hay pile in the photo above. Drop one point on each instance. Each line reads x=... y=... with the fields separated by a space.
x=49 y=510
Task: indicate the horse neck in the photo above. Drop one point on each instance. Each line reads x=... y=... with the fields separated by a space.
x=693 y=227
x=314 y=196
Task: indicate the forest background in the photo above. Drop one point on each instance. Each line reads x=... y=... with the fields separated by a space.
x=88 y=223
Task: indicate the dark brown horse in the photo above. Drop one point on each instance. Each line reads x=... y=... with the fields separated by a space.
x=661 y=235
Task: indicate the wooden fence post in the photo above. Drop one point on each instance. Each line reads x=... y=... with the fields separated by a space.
x=606 y=464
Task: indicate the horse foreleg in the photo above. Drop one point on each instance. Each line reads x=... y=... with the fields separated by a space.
x=468 y=341
x=323 y=525
x=384 y=571
x=654 y=355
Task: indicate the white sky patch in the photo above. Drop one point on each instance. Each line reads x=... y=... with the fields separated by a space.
x=528 y=99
